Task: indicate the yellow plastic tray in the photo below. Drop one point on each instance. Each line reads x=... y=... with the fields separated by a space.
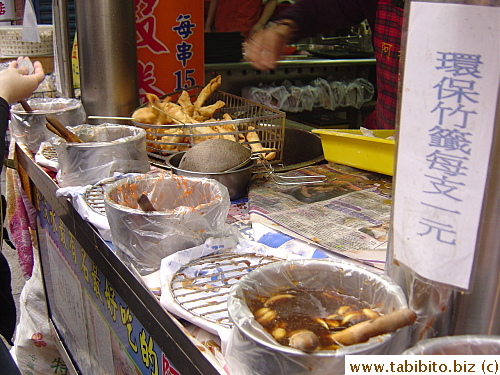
x=350 y=147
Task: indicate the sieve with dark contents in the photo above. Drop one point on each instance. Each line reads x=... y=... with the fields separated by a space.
x=224 y=156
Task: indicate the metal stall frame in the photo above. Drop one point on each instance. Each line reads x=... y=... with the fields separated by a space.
x=179 y=355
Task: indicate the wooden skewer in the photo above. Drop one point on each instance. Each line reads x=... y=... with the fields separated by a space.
x=61 y=129
x=108 y=118
x=363 y=331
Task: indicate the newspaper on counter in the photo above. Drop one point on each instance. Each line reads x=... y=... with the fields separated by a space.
x=348 y=214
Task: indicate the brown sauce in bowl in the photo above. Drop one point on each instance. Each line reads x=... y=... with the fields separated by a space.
x=320 y=312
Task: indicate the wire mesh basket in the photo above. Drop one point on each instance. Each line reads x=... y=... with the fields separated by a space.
x=45 y=94
x=12 y=44
x=247 y=117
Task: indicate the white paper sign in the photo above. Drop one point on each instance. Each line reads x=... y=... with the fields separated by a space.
x=6 y=12
x=448 y=105
x=30 y=27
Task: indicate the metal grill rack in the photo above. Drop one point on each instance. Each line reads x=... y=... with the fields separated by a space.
x=201 y=287
x=94 y=197
x=49 y=153
x=268 y=123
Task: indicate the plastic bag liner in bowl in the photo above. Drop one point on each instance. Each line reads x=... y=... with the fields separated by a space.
x=188 y=211
x=251 y=350
x=457 y=345
x=106 y=149
x=29 y=128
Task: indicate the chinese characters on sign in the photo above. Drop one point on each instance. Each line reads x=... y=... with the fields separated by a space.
x=448 y=105
x=450 y=140
x=136 y=347
x=170 y=41
x=146 y=27
x=184 y=52
x=6 y=12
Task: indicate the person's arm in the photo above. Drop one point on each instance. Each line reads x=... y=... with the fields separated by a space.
x=15 y=85
x=4 y=115
x=265 y=16
x=302 y=19
x=211 y=15
x=318 y=16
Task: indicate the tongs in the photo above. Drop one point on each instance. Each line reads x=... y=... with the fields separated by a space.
x=277 y=178
x=288 y=180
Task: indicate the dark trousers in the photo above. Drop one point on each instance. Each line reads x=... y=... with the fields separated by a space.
x=8 y=366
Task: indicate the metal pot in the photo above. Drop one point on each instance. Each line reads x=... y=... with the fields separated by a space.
x=457 y=345
x=252 y=350
x=179 y=220
x=29 y=128
x=236 y=181
x=106 y=149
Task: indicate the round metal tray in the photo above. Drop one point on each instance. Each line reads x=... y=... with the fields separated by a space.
x=301 y=149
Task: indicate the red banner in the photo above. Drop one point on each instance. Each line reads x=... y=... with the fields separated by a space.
x=170 y=50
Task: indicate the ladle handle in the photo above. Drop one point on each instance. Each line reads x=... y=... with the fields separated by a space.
x=61 y=129
x=25 y=105
x=145 y=204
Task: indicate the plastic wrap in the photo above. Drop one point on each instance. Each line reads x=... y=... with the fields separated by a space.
x=358 y=92
x=338 y=93
x=319 y=93
x=292 y=103
x=258 y=94
x=29 y=128
x=325 y=95
x=251 y=350
x=307 y=98
x=188 y=211
x=457 y=345
x=107 y=149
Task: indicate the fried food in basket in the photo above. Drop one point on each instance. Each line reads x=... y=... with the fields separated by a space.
x=256 y=146
x=185 y=102
x=209 y=110
x=176 y=137
x=165 y=112
x=145 y=115
x=207 y=91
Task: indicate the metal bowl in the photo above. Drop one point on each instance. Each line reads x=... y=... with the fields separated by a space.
x=180 y=221
x=29 y=127
x=457 y=345
x=236 y=182
x=252 y=350
x=105 y=150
